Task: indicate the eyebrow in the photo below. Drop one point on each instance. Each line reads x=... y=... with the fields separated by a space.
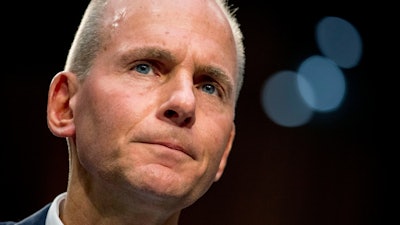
x=147 y=52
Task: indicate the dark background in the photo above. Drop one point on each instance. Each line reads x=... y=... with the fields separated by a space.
x=332 y=171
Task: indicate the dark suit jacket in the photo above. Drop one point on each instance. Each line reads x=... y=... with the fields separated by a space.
x=38 y=218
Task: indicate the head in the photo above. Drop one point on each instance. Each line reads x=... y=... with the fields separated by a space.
x=147 y=97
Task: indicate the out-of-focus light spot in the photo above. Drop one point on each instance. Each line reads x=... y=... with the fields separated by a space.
x=290 y=98
x=323 y=85
x=340 y=41
x=282 y=102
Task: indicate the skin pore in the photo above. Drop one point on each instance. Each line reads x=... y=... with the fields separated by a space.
x=151 y=126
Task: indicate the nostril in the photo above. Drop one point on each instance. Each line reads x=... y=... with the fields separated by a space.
x=187 y=121
x=170 y=113
x=175 y=117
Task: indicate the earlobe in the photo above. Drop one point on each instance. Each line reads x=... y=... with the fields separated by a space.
x=59 y=112
x=224 y=158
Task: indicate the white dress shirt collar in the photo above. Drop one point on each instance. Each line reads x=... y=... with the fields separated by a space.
x=53 y=215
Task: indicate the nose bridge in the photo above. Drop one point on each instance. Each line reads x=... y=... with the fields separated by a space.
x=181 y=89
x=179 y=101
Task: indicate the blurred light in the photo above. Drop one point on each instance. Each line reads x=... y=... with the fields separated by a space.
x=282 y=101
x=326 y=84
x=290 y=98
x=339 y=40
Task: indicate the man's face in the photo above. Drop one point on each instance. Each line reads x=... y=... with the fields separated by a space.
x=155 y=114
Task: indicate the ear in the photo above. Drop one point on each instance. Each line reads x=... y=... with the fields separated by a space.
x=225 y=155
x=60 y=116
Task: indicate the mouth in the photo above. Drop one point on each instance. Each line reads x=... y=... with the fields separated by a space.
x=174 y=147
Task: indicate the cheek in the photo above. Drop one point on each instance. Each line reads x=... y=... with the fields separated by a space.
x=98 y=118
x=216 y=131
x=106 y=104
x=103 y=129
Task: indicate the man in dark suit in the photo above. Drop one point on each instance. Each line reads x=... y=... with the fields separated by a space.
x=146 y=102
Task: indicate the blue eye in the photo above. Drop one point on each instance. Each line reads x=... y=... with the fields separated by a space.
x=210 y=89
x=142 y=68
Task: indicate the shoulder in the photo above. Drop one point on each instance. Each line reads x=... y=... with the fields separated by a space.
x=38 y=218
x=7 y=223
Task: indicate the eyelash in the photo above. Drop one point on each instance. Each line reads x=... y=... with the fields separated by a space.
x=205 y=84
x=140 y=65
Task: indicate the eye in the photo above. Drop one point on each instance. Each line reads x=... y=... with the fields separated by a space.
x=142 y=68
x=209 y=88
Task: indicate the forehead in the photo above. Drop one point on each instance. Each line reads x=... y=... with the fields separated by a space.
x=165 y=6
x=195 y=25
x=205 y=12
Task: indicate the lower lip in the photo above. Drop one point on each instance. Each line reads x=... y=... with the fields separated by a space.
x=170 y=152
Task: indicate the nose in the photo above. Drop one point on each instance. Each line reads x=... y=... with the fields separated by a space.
x=179 y=102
